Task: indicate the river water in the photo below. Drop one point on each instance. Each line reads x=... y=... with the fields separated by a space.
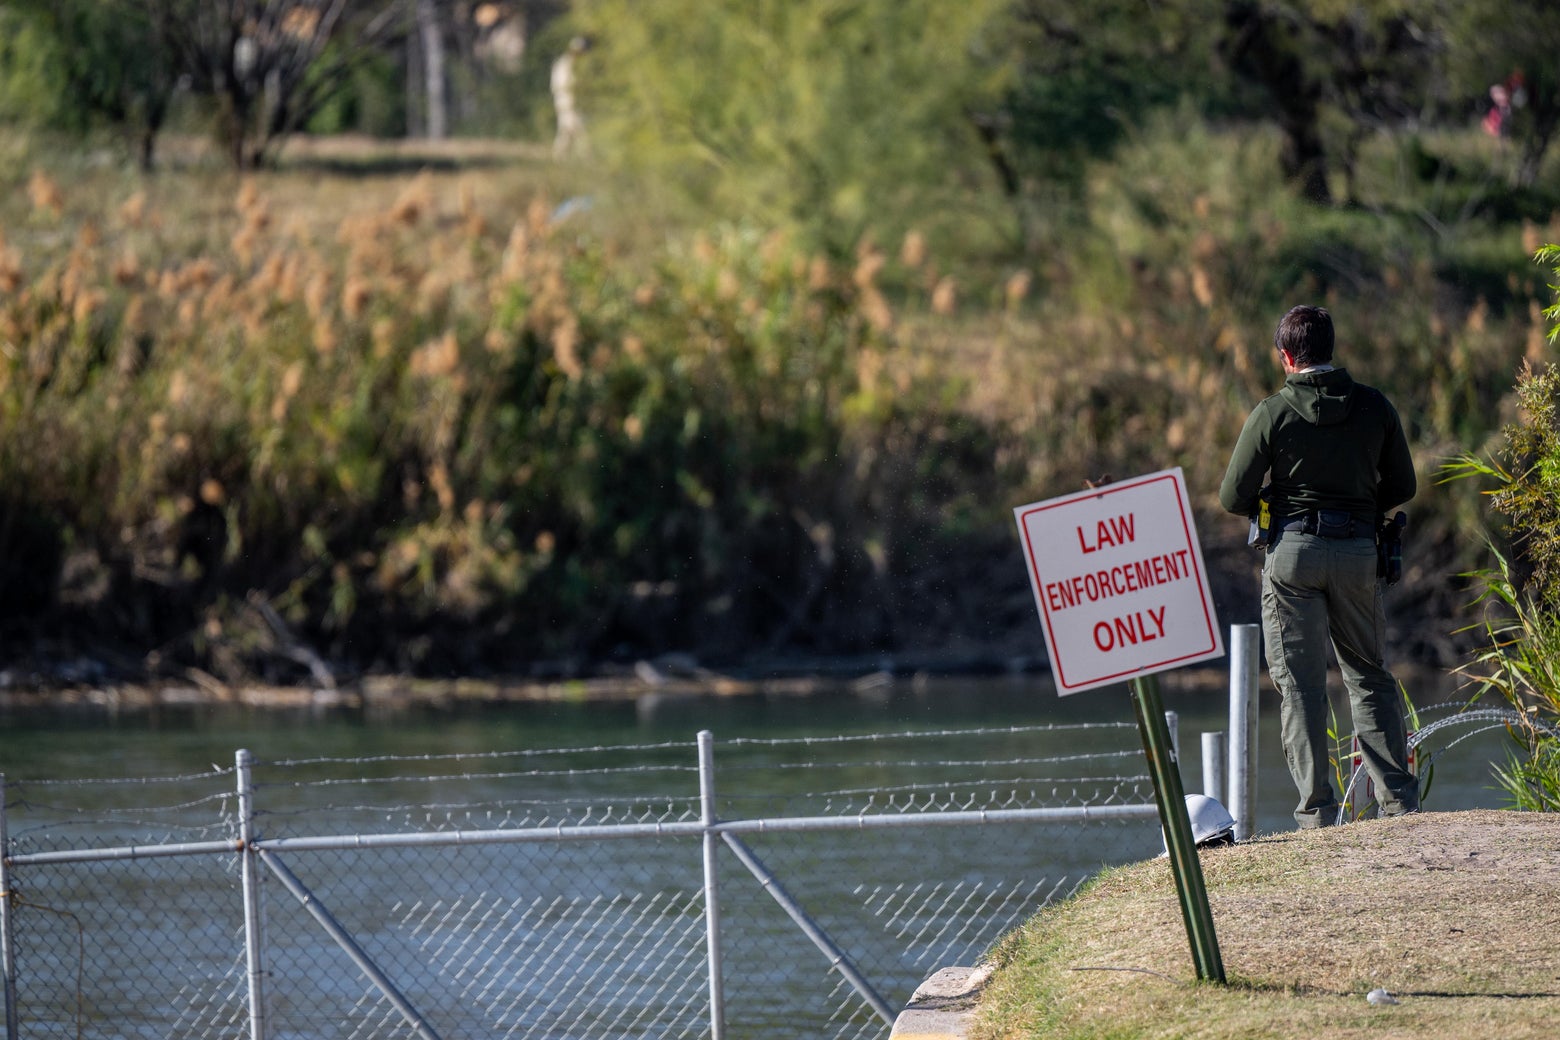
x=87 y=743
x=594 y=737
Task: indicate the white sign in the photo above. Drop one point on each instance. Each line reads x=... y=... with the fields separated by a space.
x=1118 y=577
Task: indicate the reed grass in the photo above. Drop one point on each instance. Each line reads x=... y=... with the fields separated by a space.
x=442 y=425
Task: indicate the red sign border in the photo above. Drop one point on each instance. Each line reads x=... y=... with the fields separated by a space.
x=1214 y=648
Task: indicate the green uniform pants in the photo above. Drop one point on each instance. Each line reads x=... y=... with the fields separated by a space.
x=1314 y=591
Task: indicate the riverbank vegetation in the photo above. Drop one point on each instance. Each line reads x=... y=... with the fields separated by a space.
x=1518 y=660
x=747 y=379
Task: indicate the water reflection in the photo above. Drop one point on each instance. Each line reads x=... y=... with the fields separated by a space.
x=82 y=742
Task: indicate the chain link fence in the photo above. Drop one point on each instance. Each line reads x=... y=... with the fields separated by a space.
x=802 y=887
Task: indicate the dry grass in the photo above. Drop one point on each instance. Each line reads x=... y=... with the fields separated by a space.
x=410 y=383
x=397 y=354
x=1453 y=913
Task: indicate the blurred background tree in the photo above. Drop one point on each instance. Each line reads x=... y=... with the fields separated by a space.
x=74 y=64
x=830 y=113
x=1361 y=65
x=269 y=66
x=834 y=115
x=261 y=70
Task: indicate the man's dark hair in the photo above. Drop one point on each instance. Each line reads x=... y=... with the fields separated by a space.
x=1307 y=334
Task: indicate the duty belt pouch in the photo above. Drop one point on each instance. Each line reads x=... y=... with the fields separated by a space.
x=1334 y=523
x=1261 y=534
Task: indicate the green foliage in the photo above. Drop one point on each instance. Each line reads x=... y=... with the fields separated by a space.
x=1086 y=77
x=30 y=84
x=1527 y=478
x=264 y=69
x=1519 y=662
x=412 y=425
x=371 y=99
x=1533 y=782
x=427 y=430
x=1330 y=73
x=836 y=116
x=1519 y=659
x=101 y=63
x=1201 y=223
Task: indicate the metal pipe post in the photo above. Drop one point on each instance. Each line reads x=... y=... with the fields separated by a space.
x=1245 y=652
x=11 y=1026
x=254 y=951
x=711 y=896
x=1184 y=864
x=1213 y=752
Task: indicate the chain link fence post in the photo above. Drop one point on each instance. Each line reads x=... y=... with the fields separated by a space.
x=5 y=919
x=711 y=899
x=254 y=951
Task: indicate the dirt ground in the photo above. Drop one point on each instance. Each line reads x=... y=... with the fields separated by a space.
x=1456 y=915
x=1463 y=902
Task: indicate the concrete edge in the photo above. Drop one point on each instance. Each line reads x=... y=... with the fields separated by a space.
x=941 y=1007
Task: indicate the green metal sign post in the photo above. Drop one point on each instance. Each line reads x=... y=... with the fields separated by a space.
x=1171 y=797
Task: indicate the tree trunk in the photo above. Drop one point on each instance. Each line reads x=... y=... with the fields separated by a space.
x=1304 y=157
x=416 y=96
x=1268 y=52
x=432 y=38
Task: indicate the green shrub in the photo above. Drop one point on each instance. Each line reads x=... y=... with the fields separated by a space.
x=1519 y=660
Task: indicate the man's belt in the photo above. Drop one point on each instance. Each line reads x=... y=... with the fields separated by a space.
x=1328 y=523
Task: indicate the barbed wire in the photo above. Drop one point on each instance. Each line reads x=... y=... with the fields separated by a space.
x=1499 y=717
x=550 y=936
x=530 y=774
x=946 y=763
x=486 y=805
x=89 y=781
x=27 y=804
x=952 y=785
x=684 y=745
x=851 y=738
x=224 y=771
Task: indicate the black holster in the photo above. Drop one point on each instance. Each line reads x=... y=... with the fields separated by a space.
x=1389 y=548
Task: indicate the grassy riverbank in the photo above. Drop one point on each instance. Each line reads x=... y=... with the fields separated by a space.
x=1452 y=913
x=467 y=411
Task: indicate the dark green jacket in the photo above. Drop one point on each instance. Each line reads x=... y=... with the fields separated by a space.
x=1328 y=443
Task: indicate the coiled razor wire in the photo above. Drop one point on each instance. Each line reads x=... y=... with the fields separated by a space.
x=1483 y=720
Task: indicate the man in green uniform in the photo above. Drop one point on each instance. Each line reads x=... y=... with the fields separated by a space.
x=1333 y=454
